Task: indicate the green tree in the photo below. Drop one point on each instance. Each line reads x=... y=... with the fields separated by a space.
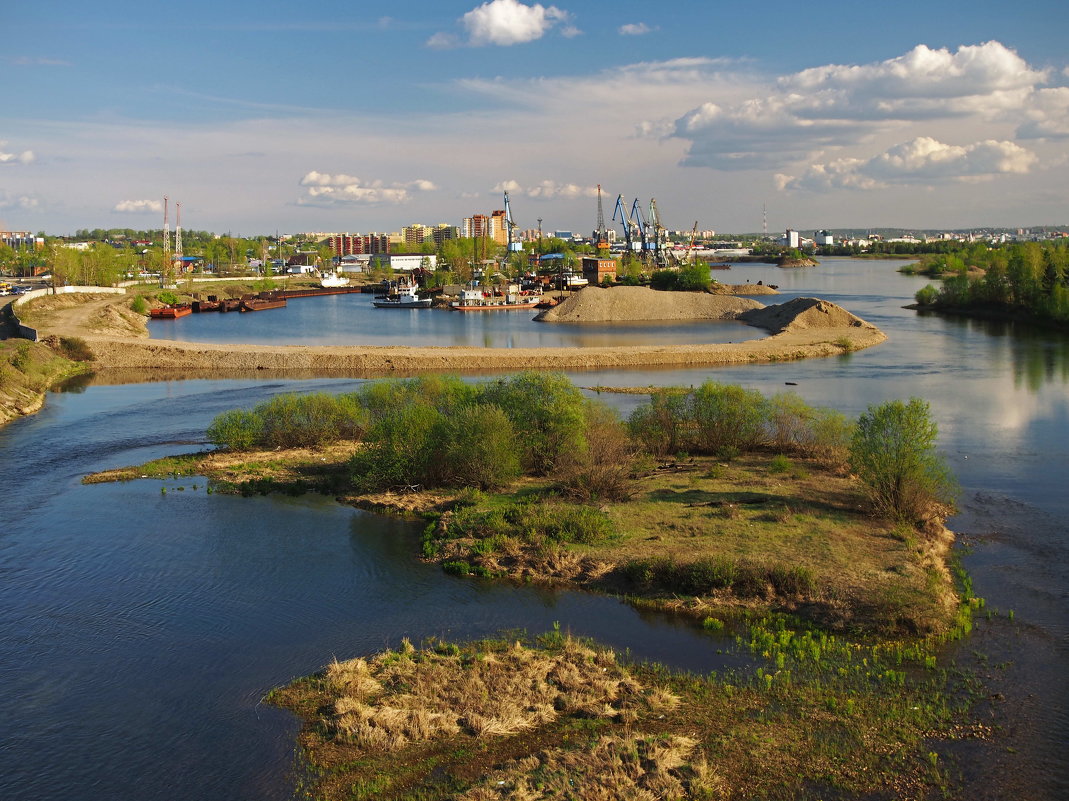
x=893 y=454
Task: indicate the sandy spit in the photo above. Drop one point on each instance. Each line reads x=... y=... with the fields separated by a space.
x=803 y=328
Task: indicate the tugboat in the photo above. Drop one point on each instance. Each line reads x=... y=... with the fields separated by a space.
x=333 y=280
x=406 y=297
x=474 y=298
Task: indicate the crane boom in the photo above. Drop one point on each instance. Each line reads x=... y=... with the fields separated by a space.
x=626 y=223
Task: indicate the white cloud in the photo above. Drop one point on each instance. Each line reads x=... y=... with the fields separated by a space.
x=840 y=105
x=25 y=157
x=139 y=206
x=509 y=22
x=634 y=29
x=547 y=190
x=325 y=189
x=1047 y=115
x=443 y=41
x=922 y=160
x=20 y=202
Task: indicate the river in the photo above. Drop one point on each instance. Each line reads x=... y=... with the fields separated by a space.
x=139 y=629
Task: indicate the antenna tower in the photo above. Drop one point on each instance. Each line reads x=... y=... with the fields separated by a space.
x=764 y=219
x=178 y=233
x=601 y=236
x=166 y=266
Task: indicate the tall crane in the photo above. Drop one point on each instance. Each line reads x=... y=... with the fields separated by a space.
x=631 y=228
x=640 y=223
x=510 y=226
x=660 y=257
x=693 y=240
x=601 y=236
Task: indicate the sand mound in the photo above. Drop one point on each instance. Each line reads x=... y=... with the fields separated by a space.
x=626 y=303
x=742 y=289
x=801 y=314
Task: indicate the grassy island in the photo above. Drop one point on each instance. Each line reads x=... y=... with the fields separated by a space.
x=811 y=543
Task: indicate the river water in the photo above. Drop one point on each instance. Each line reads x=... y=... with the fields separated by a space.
x=139 y=629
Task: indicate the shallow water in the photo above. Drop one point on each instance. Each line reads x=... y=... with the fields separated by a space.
x=353 y=320
x=138 y=630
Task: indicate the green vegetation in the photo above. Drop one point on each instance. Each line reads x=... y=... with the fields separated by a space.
x=724 y=420
x=1029 y=280
x=689 y=278
x=893 y=453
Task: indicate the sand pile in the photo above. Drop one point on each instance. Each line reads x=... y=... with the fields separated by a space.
x=801 y=314
x=626 y=303
x=742 y=289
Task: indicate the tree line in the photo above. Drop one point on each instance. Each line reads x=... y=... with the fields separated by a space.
x=1029 y=279
x=440 y=431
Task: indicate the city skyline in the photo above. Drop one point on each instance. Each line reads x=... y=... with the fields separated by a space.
x=946 y=115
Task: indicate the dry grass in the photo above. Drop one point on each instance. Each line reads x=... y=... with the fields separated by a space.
x=409 y=696
x=640 y=766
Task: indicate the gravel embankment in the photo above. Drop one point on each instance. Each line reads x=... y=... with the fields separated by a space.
x=803 y=328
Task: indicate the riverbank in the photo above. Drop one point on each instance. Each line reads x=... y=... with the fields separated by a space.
x=28 y=370
x=803 y=328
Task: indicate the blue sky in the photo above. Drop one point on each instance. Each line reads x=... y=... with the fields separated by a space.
x=328 y=116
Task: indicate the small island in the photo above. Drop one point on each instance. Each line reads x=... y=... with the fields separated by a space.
x=762 y=520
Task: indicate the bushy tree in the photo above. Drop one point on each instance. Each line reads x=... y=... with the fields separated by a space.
x=893 y=454
x=727 y=417
x=547 y=405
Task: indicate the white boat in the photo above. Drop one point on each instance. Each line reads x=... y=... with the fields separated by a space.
x=331 y=280
x=406 y=298
x=474 y=298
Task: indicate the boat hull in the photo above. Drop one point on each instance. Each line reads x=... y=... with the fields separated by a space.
x=170 y=312
x=422 y=303
x=461 y=306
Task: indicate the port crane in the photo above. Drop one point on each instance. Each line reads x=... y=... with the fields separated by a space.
x=632 y=232
x=693 y=241
x=510 y=226
x=656 y=232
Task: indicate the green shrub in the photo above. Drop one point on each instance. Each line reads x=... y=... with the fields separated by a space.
x=893 y=453
x=661 y=425
x=727 y=416
x=396 y=451
x=139 y=305
x=926 y=295
x=167 y=297
x=300 y=421
x=533 y=523
x=75 y=348
x=476 y=446
x=237 y=429
x=602 y=470
x=548 y=412
x=779 y=464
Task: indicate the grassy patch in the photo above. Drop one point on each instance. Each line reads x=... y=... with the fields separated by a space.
x=815 y=716
x=698 y=536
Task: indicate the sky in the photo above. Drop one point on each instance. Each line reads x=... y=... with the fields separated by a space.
x=368 y=116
